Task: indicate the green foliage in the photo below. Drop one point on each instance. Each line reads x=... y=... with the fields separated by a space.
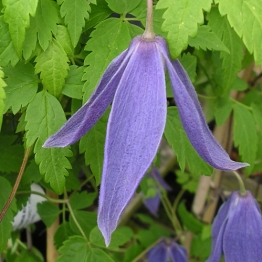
x=2 y=96
x=82 y=200
x=22 y=85
x=245 y=134
x=122 y=7
x=53 y=66
x=74 y=12
x=48 y=212
x=44 y=116
x=181 y=21
x=245 y=17
x=178 y=140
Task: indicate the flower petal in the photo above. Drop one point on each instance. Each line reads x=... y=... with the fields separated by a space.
x=178 y=253
x=243 y=233
x=158 y=253
x=193 y=119
x=85 y=118
x=156 y=175
x=135 y=128
x=152 y=203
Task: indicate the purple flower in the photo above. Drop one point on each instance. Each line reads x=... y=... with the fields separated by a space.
x=165 y=252
x=135 y=83
x=237 y=230
x=152 y=203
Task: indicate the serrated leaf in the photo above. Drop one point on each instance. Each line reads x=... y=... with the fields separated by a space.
x=123 y=6
x=75 y=12
x=73 y=83
x=185 y=152
x=92 y=144
x=32 y=255
x=5 y=225
x=107 y=41
x=119 y=237
x=48 y=212
x=16 y=14
x=22 y=86
x=44 y=117
x=63 y=38
x=257 y=115
x=189 y=62
x=74 y=249
x=7 y=50
x=62 y=233
x=189 y=220
x=245 y=17
x=11 y=156
x=53 y=66
x=86 y=220
x=245 y=135
x=181 y=21
x=231 y=64
x=99 y=13
x=82 y=200
x=206 y=39
x=2 y=96
x=223 y=108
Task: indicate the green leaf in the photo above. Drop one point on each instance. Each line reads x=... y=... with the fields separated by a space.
x=206 y=39
x=7 y=50
x=223 y=108
x=245 y=17
x=245 y=134
x=119 y=237
x=178 y=140
x=107 y=41
x=123 y=6
x=188 y=219
x=5 y=226
x=74 y=249
x=257 y=115
x=11 y=156
x=32 y=255
x=181 y=21
x=73 y=83
x=75 y=12
x=63 y=38
x=2 y=96
x=92 y=144
x=44 y=116
x=18 y=23
x=132 y=252
x=231 y=64
x=62 y=233
x=48 y=212
x=189 y=63
x=22 y=85
x=188 y=181
x=86 y=220
x=82 y=200
x=53 y=66
x=99 y=13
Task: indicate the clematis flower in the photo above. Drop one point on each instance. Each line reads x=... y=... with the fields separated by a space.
x=237 y=230
x=152 y=203
x=134 y=83
x=167 y=250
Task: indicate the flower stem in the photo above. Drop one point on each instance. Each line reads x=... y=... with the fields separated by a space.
x=149 y=31
x=242 y=188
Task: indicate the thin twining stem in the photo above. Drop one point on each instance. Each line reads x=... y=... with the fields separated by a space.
x=15 y=187
x=149 y=31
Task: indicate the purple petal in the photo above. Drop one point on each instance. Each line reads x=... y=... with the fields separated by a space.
x=156 y=175
x=243 y=233
x=85 y=118
x=218 y=228
x=178 y=253
x=193 y=119
x=152 y=203
x=135 y=128
x=158 y=253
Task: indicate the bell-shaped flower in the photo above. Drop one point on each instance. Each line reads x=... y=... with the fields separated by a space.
x=237 y=230
x=167 y=251
x=134 y=83
x=152 y=203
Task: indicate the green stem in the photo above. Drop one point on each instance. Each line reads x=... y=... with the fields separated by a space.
x=149 y=31
x=242 y=188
